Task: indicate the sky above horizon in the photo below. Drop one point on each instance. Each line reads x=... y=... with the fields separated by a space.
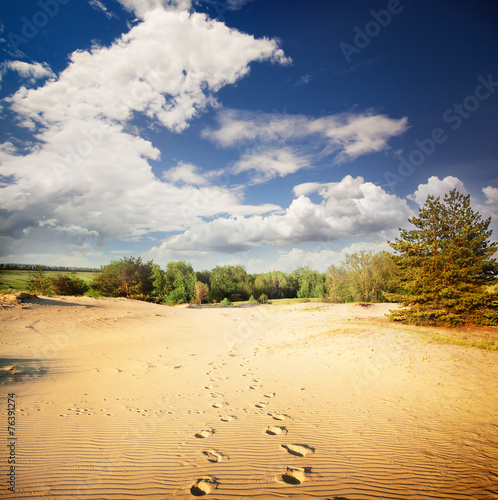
x=271 y=134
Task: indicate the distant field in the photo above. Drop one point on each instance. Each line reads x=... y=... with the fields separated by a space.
x=18 y=280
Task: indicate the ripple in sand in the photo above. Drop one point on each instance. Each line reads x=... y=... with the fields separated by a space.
x=204 y=486
x=213 y=456
x=296 y=475
x=274 y=430
x=300 y=450
x=205 y=433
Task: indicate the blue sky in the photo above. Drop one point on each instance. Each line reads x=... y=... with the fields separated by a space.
x=270 y=134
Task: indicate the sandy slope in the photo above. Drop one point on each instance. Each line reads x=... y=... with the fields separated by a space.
x=114 y=393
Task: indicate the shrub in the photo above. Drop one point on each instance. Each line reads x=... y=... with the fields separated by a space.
x=252 y=300
x=201 y=291
x=263 y=299
x=65 y=284
x=226 y=302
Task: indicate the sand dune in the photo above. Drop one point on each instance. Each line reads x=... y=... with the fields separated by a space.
x=121 y=399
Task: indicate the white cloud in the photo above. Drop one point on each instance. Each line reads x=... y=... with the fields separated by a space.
x=141 y=7
x=171 y=54
x=491 y=195
x=31 y=71
x=320 y=259
x=350 y=208
x=186 y=173
x=98 y=5
x=346 y=135
x=269 y=164
x=436 y=187
x=87 y=170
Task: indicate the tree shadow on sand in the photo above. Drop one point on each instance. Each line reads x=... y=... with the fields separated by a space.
x=53 y=301
x=14 y=369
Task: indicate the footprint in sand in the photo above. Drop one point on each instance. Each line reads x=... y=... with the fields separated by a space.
x=277 y=416
x=216 y=395
x=296 y=475
x=213 y=456
x=300 y=450
x=204 y=486
x=217 y=405
x=269 y=395
x=228 y=418
x=254 y=387
x=274 y=430
x=205 y=433
x=261 y=405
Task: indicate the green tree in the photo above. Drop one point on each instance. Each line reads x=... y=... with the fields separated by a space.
x=180 y=281
x=337 y=285
x=446 y=265
x=125 y=278
x=158 y=281
x=230 y=281
x=363 y=277
x=310 y=283
x=201 y=292
x=38 y=282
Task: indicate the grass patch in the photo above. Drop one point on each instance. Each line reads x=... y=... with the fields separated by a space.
x=18 y=281
x=482 y=337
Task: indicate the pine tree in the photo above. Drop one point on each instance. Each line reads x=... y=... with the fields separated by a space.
x=447 y=265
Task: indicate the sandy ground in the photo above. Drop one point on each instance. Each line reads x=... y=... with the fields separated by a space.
x=121 y=399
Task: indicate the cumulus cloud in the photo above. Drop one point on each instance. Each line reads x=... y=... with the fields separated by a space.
x=186 y=173
x=320 y=259
x=88 y=172
x=141 y=7
x=346 y=135
x=269 y=164
x=491 y=194
x=350 y=208
x=171 y=73
x=30 y=71
x=436 y=187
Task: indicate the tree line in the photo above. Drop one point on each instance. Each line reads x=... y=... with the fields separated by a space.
x=33 y=267
x=362 y=276
x=443 y=272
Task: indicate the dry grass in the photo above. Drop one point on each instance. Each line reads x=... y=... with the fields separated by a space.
x=484 y=337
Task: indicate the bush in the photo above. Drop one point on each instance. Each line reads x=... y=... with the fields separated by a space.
x=252 y=300
x=226 y=302
x=201 y=292
x=65 y=284
x=263 y=299
x=38 y=282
